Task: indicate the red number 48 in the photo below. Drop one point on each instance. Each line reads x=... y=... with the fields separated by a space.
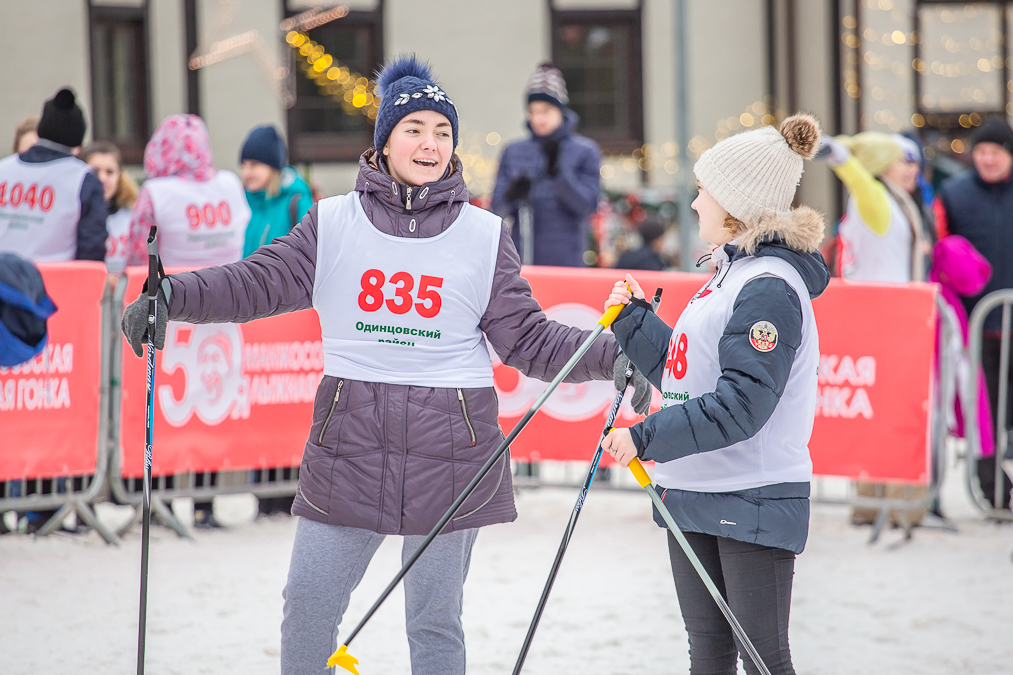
x=676 y=364
x=429 y=303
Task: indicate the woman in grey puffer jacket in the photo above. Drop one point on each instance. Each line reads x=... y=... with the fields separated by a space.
x=404 y=417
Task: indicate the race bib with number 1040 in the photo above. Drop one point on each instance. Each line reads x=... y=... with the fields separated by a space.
x=18 y=194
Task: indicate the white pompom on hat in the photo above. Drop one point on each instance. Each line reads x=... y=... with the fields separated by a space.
x=753 y=175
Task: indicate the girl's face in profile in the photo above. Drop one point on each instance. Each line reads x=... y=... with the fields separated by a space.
x=712 y=219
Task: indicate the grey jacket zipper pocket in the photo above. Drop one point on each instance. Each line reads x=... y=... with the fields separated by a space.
x=312 y=505
x=467 y=419
x=330 y=413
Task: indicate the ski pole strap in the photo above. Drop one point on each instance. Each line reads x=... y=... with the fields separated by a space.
x=640 y=473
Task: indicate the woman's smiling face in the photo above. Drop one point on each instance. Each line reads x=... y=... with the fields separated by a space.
x=419 y=148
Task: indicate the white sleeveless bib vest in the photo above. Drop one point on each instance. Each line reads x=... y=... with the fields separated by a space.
x=118 y=228
x=779 y=452
x=404 y=311
x=868 y=256
x=200 y=224
x=40 y=206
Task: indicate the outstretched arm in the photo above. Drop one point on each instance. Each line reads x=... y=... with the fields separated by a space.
x=274 y=279
x=525 y=339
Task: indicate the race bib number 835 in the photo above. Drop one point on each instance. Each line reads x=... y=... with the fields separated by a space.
x=371 y=299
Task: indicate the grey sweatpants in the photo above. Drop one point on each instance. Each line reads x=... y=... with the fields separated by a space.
x=328 y=562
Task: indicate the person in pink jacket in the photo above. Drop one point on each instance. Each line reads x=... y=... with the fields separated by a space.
x=201 y=212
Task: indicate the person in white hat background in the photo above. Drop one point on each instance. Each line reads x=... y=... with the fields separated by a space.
x=738 y=378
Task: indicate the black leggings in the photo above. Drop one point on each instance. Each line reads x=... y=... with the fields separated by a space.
x=756 y=582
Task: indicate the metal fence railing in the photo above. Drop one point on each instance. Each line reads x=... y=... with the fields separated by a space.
x=976 y=325
x=77 y=494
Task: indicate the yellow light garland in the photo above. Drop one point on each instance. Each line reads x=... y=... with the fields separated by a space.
x=355 y=93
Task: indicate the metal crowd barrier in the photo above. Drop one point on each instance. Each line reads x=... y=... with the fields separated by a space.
x=199 y=486
x=77 y=494
x=976 y=324
x=74 y=494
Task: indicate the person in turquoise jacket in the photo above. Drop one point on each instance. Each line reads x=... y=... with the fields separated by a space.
x=277 y=194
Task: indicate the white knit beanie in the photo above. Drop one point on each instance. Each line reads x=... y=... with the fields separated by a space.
x=754 y=174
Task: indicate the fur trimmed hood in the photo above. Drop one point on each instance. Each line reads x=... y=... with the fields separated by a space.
x=802 y=230
x=794 y=239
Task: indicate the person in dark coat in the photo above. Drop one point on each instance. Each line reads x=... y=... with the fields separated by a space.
x=53 y=208
x=554 y=174
x=978 y=205
x=647 y=256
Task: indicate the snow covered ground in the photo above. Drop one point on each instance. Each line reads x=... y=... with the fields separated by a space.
x=937 y=604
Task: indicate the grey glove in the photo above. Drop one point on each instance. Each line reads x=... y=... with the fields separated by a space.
x=135 y=322
x=641 y=387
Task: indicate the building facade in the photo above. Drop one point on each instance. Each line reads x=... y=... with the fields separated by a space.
x=655 y=81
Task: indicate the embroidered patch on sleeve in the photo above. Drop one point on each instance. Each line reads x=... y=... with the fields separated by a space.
x=763 y=336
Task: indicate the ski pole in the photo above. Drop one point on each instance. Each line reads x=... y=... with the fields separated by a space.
x=628 y=375
x=341 y=657
x=142 y=619
x=645 y=482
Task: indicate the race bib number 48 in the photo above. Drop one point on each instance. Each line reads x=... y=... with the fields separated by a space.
x=676 y=364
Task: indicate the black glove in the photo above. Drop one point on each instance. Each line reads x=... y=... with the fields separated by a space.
x=641 y=387
x=550 y=146
x=519 y=189
x=135 y=322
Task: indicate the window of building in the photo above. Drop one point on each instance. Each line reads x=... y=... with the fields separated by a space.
x=119 y=79
x=321 y=126
x=599 y=54
x=962 y=65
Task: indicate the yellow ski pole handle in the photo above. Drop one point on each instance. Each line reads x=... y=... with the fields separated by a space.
x=610 y=315
x=612 y=312
x=343 y=659
x=640 y=473
x=645 y=482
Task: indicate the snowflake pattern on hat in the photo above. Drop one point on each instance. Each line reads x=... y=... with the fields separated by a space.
x=430 y=91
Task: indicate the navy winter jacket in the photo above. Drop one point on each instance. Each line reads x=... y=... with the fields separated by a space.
x=561 y=203
x=982 y=213
x=746 y=394
x=91 y=228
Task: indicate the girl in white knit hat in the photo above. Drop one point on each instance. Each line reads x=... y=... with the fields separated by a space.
x=738 y=378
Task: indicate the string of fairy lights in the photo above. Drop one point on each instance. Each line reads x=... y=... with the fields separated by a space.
x=955 y=56
x=353 y=91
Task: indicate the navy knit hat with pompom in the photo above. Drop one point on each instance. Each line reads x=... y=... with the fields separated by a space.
x=406 y=85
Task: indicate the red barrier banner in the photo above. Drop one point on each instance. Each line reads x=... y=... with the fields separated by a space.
x=231 y=397
x=227 y=396
x=875 y=386
x=49 y=406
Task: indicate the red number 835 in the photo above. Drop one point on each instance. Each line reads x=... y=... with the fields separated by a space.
x=371 y=298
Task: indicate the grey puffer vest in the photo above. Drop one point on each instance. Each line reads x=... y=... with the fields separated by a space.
x=392 y=458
